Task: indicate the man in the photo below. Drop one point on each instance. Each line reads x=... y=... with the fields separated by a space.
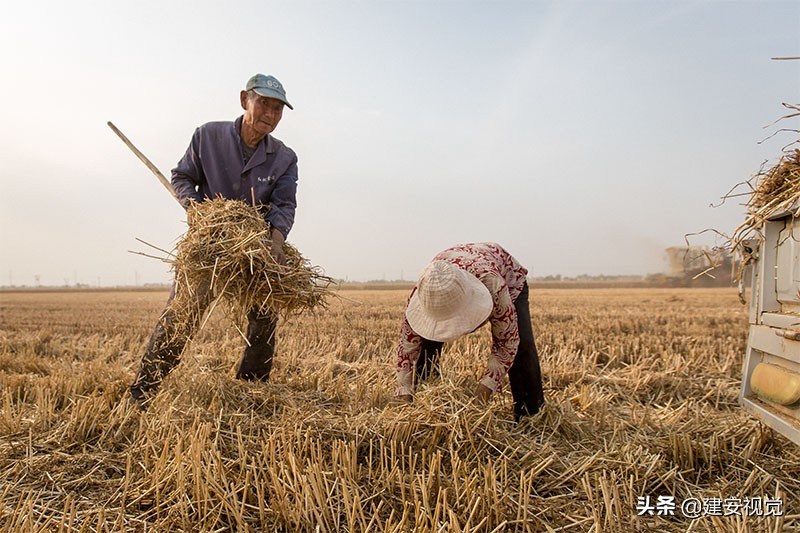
x=460 y=290
x=236 y=160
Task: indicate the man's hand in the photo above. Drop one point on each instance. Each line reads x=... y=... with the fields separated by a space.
x=276 y=247
x=482 y=393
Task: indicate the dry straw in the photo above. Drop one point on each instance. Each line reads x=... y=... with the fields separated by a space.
x=774 y=191
x=641 y=389
x=770 y=193
x=225 y=254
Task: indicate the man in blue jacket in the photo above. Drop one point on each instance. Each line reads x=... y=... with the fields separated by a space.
x=236 y=160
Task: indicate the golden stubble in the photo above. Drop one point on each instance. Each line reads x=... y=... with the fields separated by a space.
x=641 y=388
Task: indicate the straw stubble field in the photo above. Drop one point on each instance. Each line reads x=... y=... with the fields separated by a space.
x=641 y=386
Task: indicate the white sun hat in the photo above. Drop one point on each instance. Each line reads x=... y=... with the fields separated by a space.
x=449 y=302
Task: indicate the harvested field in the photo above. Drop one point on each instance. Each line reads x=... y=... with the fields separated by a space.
x=641 y=386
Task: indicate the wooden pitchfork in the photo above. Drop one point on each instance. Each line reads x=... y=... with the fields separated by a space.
x=144 y=160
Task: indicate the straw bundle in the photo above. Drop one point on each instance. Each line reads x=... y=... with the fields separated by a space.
x=226 y=253
x=774 y=191
x=779 y=187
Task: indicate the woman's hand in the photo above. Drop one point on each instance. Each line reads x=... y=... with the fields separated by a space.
x=482 y=393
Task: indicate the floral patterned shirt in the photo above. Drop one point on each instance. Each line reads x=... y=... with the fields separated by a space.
x=505 y=279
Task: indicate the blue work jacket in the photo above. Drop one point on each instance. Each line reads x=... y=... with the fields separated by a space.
x=214 y=166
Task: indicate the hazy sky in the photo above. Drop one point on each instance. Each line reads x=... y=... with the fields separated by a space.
x=585 y=137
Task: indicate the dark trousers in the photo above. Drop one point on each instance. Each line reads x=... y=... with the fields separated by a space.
x=525 y=376
x=170 y=336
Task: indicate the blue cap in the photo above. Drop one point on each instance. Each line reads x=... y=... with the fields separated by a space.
x=268 y=86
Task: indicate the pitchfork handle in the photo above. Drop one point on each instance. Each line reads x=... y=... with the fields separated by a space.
x=144 y=160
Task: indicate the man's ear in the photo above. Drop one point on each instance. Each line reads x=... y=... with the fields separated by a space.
x=243 y=99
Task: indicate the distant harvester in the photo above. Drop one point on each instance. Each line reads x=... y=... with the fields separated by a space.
x=700 y=265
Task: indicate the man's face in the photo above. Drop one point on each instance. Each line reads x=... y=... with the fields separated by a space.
x=261 y=113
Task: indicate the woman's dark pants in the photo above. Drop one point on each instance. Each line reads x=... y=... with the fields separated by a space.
x=525 y=376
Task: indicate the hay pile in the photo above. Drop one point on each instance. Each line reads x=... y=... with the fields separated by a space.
x=225 y=254
x=775 y=191
x=641 y=389
x=779 y=187
x=772 y=192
